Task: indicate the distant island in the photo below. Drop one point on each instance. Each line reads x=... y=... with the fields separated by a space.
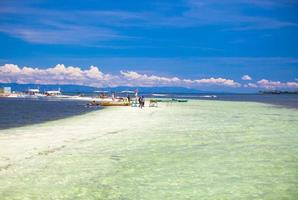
x=88 y=89
x=278 y=92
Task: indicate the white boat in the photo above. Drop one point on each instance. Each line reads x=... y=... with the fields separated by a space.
x=53 y=93
x=128 y=91
x=208 y=96
x=159 y=95
x=56 y=94
x=33 y=93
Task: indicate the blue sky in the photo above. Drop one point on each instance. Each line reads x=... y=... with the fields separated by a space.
x=188 y=39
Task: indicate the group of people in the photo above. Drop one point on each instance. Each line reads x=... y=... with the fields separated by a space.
x=139 y=100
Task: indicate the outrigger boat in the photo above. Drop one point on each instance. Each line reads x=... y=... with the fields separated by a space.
x=180 y=100
x=163 y=100
x=171 y=100
x=105 y=100
x=31 y=93
x=114 y=103
x=109 y=103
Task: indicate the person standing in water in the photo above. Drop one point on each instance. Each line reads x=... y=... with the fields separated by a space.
x=140 y=102
x=143 y=101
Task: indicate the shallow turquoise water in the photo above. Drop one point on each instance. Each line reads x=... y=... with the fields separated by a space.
x=196 y=150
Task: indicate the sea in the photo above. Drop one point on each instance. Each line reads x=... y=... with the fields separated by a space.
x=16 y=112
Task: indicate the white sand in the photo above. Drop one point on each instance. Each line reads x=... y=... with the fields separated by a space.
x=194 y=150
x=18 y=144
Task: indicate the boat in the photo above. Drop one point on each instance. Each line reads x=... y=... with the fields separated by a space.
x=57 y=94
x=208 y=96
x=163 y=100
x=128 y=91
x=109 y=103
x=160 y=95
x=182 y=100
x=102 y=94
x=114 y=103
x=171 y=100
x=31 y=93
x=53 y=93
x=179 y=100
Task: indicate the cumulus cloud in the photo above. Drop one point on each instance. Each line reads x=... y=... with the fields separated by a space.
x=246 y=78
x=251 y=85
x=60 y=74
x=218 y=81
x=93 y=76
x=143 y=80
x=264 y=83
x=149 y=80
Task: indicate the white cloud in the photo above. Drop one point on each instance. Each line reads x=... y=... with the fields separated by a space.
x=149 y=80
x=93 y=76
x=143 y=79
x=61 y=34
x=251 y=85
x=246 y=78
x=55 y=75
x=218 y=81
x=60 y=74
x=264 y=83
x=292 y=84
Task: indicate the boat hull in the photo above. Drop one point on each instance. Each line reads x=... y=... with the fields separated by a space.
x=110 y=103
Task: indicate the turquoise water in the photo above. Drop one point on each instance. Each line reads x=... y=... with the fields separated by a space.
x=194 y=150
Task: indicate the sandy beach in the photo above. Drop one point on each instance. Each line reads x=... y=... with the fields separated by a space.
x=194 y=150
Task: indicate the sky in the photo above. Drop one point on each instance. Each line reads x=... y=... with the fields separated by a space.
x=224 y=45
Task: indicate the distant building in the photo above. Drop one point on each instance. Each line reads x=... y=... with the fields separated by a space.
x=5 y=90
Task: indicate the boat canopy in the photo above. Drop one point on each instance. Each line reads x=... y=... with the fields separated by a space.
x=101 y=91
x=53 y=92
x=127 y=91
x=33 y=90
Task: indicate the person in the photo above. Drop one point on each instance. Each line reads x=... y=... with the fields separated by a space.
x=136 y=93
x=140 y=102
x=128 y=98
x=143 y=101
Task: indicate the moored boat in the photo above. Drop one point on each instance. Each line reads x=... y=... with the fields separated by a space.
x=109 y=103
x=182 y=100
x=171 y=100
x=114 y=103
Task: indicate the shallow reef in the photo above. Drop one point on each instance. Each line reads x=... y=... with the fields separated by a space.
x=194 y=150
